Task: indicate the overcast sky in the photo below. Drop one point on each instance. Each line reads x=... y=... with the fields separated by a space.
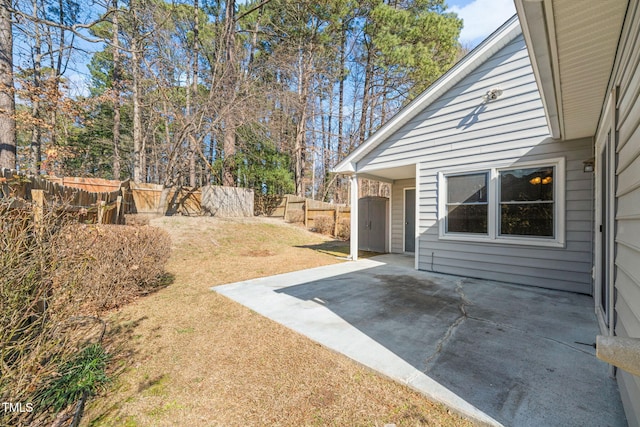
x=481 y=17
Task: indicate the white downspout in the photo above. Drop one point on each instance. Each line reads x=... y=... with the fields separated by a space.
x=354 y=218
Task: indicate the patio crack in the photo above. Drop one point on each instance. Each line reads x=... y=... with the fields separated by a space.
x=464 y=302
x=525 y=332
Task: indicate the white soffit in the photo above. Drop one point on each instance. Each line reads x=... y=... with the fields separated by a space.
x=587 y=36
x=582 y=39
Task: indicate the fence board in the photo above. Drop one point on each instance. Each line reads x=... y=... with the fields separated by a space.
x=301 y=210
x=70 y=199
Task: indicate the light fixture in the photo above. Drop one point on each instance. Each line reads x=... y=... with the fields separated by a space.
x=492 y=94
x=588 y=165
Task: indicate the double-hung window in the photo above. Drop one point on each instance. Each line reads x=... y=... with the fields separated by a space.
x=527 y=202
x=467 y=203
x=522 y=204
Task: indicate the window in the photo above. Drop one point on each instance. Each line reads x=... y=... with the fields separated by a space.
x=467 y=203
x=526 y=202
x=518 y=205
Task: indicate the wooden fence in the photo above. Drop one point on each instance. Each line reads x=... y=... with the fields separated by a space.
x=307 y=211
x=96 y=207
x=92 y=185
x=155 y=199
x=218 y=201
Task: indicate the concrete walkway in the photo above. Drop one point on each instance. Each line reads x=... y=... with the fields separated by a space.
x=499 y=354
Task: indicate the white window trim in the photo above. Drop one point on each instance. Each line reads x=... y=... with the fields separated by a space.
x=492 y=235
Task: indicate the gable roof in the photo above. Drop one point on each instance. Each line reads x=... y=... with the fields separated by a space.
x=496 y=41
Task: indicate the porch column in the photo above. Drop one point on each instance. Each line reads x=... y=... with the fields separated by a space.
x=354 y=218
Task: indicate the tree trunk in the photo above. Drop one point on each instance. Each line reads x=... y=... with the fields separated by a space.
x=368 y=76
x=341 y=77
x=194 y=90
x=36 y=134
x=116 y=93
x=135 y=89
x=229 y=144
x=301 y=126
x=7 y=100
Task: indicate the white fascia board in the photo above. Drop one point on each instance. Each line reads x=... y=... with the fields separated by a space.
x=503 y=35
x=538 y=29
x=344 y=167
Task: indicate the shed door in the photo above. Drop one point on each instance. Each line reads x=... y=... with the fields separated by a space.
x=372 y=224
x=410 y=220
x=377 y=224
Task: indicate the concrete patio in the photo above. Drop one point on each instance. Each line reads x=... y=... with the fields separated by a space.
x=497 y=353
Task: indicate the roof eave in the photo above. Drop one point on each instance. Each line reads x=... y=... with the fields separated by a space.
x=541 y=45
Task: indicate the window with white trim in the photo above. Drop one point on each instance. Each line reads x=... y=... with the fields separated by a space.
x=526 y=202
x=467 y=203
x=521 y=204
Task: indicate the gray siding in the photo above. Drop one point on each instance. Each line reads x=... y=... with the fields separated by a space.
x=627 y=250
x=460 y=129
x=461 y=121
x=397 y=213
x=567 y=268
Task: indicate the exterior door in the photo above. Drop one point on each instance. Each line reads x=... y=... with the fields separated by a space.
x=377 y=224
x=372 y=224
x=410 y=220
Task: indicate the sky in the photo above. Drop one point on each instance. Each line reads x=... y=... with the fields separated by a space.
x=480 y=17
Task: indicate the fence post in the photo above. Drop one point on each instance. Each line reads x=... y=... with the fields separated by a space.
x=306 y=214
x=118 y=207
x=336 y=215
x=38 y=212
x=286 y=207
x=101 y=209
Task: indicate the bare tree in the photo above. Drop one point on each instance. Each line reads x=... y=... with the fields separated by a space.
x=7 y=100
x=229 y=144
x=136 y=53
x=36 y=131
x=116 y=91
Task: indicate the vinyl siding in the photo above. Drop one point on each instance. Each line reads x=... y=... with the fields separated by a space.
x=397 y=213
x=567 y=268
x=459 y=129
x=627 y=241
x=461 y=114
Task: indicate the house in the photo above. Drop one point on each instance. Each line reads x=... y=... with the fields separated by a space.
x=522 y=163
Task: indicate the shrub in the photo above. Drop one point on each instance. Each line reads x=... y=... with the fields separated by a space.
x=344 y=229
x=266 y=204
x=295 y=217
x=109 y=265
x=324 y=224
x=54 y=273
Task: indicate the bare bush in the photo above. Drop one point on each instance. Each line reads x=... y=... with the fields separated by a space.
x=266 y=204
x=137 y=219
x=324 y=224
x=344 y=229
x=50 y=283
x=296 y=217
x=109 y=265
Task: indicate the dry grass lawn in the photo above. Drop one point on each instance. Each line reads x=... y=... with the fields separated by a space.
x=195 y=358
